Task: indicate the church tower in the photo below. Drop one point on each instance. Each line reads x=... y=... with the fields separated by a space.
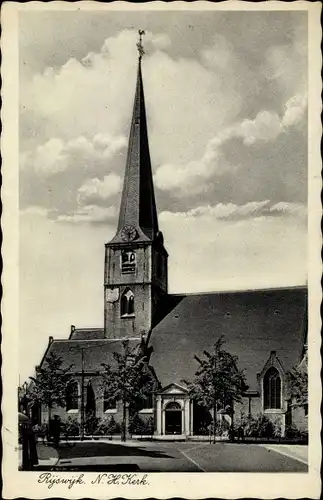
x=135 y=276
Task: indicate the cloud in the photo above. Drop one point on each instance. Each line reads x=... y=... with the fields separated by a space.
x=233 y=212
x=95 y=188
x=47 y=159
x=267 y=126
x=294 y=110
x=89 y=214
x=56 y=156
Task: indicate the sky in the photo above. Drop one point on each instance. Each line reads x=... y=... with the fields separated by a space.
x=226 y=102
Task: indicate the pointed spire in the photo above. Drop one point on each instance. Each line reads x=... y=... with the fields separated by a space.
x=138 y=206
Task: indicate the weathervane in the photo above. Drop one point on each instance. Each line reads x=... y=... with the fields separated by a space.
x=139 y=44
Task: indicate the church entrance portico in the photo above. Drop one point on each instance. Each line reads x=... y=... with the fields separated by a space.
x=174 y=412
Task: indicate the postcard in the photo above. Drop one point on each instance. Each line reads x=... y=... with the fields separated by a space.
x=161 y=249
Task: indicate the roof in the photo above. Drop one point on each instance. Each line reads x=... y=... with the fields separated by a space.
x=253 y=324
x=95 y=352
x=138 y=205
x=87 y=333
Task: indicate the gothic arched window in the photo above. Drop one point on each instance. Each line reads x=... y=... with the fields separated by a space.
x=72 y=394
x=272 y=389
x=128 y=261
x=127 y=306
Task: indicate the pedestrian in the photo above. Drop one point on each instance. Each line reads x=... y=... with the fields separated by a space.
x=56 y=430
x=28 y=442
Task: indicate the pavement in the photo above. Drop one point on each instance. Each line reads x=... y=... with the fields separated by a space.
x=294 y=451
x=152 y=456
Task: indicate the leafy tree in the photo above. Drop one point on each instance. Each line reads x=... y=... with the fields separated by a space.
x=129 y=380
x=218 y=382
x=49 y=384
x=298 y=385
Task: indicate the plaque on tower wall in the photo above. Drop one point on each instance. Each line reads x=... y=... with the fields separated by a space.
x=112 y=295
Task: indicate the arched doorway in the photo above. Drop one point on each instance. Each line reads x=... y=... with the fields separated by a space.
x=173 y=418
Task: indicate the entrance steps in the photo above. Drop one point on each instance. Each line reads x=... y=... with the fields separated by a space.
x=183 y=437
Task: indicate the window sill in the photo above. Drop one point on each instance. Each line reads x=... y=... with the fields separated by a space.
x=273 y=411
x=112 y=410
x=72 y=411
x=146 y=410
x=126 y=316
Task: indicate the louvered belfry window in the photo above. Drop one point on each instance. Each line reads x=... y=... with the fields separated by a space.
x=272 y=389
x=128 y=262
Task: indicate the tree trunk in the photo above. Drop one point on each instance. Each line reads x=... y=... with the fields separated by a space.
x=124 y=418
x=49 y=419
x=214 y=423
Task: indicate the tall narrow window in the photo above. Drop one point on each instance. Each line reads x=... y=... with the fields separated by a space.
x=109 y=403
x=72 y=396
x=127 y=306
x=272 y=389
x=128 y=262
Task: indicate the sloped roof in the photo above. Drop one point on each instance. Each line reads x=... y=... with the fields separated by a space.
x=95 y=352
x=87 y=334
x=253 y=324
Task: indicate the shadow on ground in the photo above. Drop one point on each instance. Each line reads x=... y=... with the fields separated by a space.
x=85 y=450
x=91 y=468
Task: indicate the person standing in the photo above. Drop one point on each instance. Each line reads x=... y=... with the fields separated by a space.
x=56 y=430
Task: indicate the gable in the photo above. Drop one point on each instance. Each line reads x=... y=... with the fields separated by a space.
x=173 y=389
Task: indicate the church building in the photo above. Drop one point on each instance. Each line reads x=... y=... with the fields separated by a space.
x=266 y=329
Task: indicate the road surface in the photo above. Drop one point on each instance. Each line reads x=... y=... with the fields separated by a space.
x=98 y=456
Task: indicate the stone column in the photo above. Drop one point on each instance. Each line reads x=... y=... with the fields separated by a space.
x=187 y=417
x=191 y=417
x=159 y=416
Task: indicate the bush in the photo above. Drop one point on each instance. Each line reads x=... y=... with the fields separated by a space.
x=136 y=424
x=292 y=432
x=221 y=428
x=107 y=427
x=149 y=427
x=91 y=424
x=257 y=427
x=71 y=427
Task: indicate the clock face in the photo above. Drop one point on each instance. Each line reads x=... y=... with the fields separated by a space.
x=129 y=233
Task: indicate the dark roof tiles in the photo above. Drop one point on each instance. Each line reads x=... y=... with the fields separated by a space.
x=95 y=352
x=253 y=323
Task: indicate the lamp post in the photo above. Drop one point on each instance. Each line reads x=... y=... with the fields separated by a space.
x=82 y=396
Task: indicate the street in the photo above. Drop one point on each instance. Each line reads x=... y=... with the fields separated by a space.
x=98 y=456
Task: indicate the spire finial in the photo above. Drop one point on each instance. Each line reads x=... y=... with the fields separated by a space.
x=139 y=44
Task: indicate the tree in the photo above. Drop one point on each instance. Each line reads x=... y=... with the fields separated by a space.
x=218 y=382
x=130 y=380
x=298 y=384
x=49 y=384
